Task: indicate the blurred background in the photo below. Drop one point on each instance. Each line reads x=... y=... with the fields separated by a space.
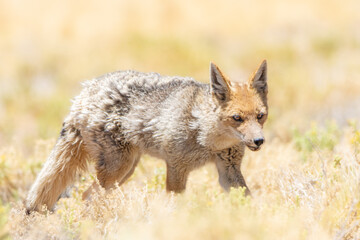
x=47 y=48
x=305 y=181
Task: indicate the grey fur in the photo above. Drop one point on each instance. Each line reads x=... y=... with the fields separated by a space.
x=121 y=115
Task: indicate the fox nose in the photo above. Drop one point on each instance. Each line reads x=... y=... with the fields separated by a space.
x=258 y=141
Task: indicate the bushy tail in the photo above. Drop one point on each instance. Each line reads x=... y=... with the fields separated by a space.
x=67 y=157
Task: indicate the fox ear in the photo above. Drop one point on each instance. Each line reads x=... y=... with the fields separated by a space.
x=259 y=80
x=218 y=82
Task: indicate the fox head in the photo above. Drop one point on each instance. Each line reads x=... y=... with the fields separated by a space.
x=242 y=107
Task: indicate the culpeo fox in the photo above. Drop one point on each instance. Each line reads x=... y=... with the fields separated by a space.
x=121 y=115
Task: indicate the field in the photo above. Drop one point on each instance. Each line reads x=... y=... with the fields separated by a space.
x=305 y=181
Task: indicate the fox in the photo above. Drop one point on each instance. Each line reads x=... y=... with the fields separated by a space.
x=119 y=116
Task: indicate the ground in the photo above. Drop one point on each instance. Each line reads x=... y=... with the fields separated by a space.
x=305 y=189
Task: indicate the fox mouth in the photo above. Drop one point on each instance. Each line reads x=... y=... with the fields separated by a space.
x=247 y=143
x=254 y=148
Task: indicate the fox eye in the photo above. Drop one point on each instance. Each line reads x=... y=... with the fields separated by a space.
x=260 y=116
x=238 y=118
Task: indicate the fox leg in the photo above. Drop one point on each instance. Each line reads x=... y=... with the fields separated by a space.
x=67 y=157
x=126 y=177
x=113 y=167
x=114 y=163
x=95 y=186
x=176 y=177
x=228 y=164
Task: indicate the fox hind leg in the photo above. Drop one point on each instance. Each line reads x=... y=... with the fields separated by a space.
x=95 y=185
x=114 y=163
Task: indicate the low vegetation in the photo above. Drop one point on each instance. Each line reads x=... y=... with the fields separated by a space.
x=303 y=189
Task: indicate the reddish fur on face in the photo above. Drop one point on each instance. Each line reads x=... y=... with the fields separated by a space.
x=247 y=102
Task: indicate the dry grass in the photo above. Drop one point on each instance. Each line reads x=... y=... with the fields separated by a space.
x=315 y=196
x=305 y=181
